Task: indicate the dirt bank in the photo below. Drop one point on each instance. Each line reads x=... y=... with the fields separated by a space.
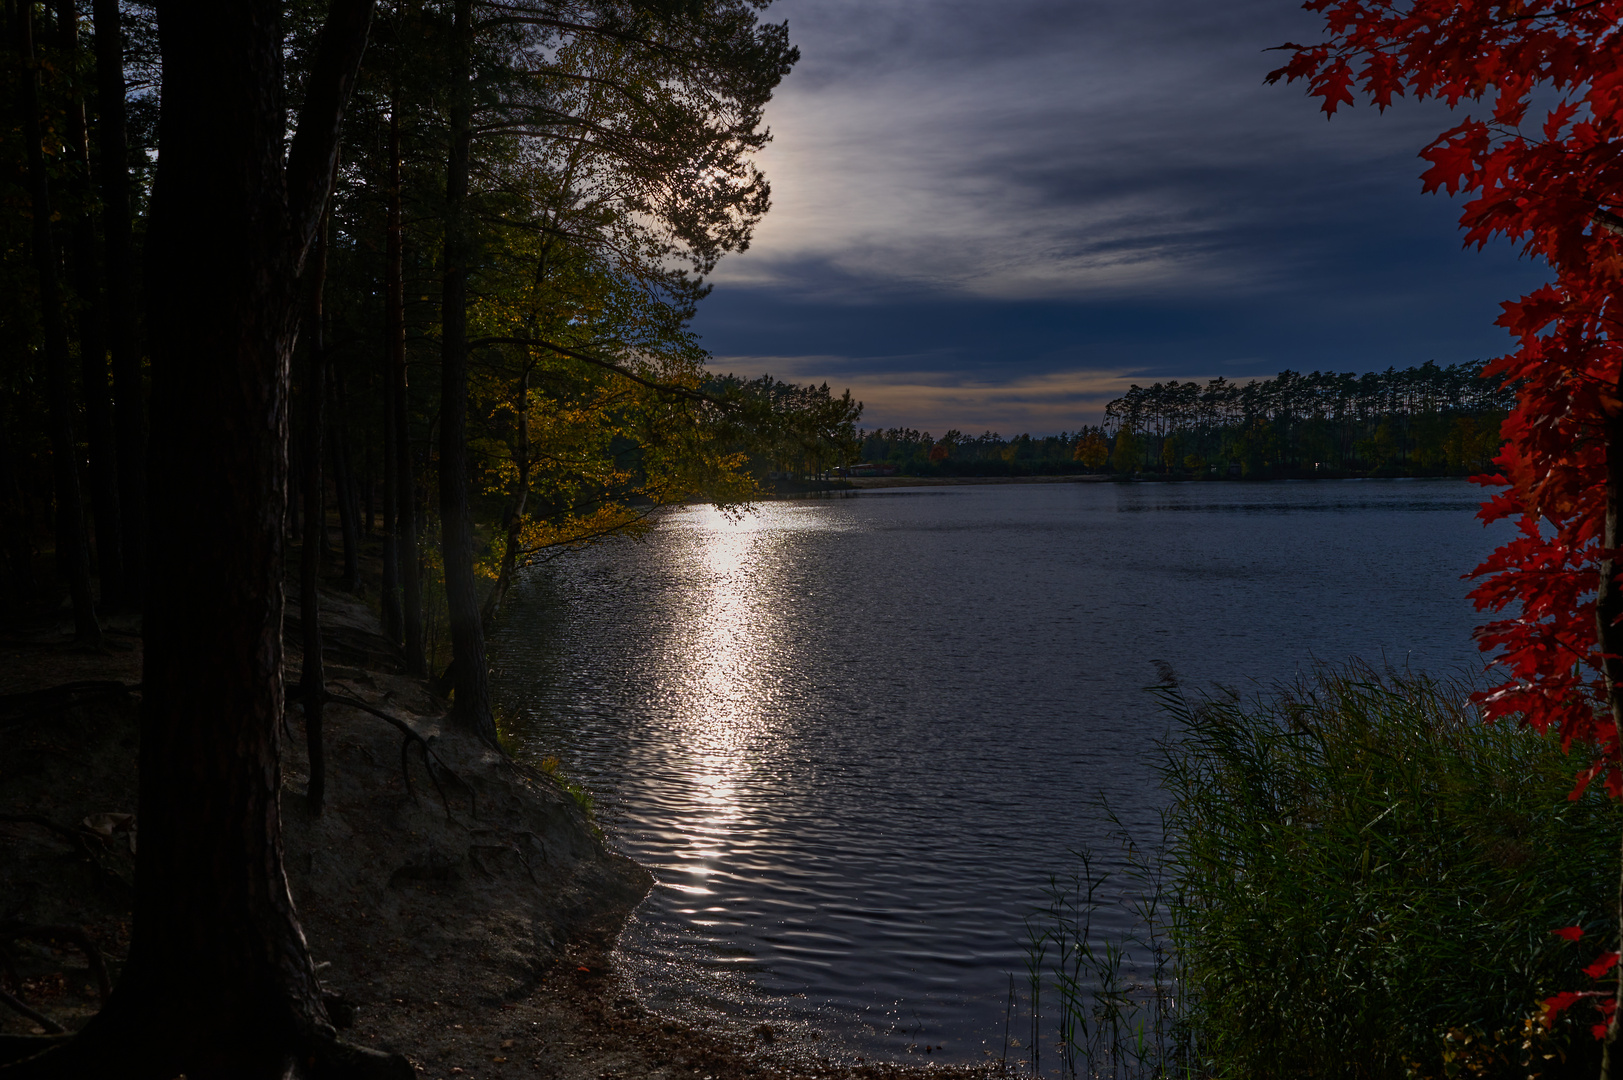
x=464 y=907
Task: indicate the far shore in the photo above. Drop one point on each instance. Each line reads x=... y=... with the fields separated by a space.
x=958 y=481
x=860 y=482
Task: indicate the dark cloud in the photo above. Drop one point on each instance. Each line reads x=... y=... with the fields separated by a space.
x=982 y=197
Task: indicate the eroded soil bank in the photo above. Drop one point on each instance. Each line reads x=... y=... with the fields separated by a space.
x=463 y=907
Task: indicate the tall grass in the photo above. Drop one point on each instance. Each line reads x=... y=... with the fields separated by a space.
x=1111 y=1010
x=1356 y=880
x=1364 y=880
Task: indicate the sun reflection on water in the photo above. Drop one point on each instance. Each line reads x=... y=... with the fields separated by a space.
x=721 y=707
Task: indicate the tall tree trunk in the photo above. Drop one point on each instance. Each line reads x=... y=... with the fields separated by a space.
x=313 y=677
x=391 y=525
x=129 y=404
x=411 y=577
x=16 y=545
x=295 y=472
x=72 y=550
x=92 y=337
x=219 y=980
x=1609 y=634
x=471 y=685
x=343 y=471
x=515 y=513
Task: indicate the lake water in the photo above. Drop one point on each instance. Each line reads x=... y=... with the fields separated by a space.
x=854 y=737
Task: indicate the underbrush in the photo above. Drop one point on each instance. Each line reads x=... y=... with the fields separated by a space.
x=1359 y=879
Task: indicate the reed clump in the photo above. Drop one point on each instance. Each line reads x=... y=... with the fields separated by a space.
x=1362 y=880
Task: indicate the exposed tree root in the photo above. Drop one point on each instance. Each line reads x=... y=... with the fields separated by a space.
x=18 y=1047
x=432 y=762
x=75 y=934
x=108 y=1057
x=17 y=1005
x=78 y=837
x=18 y=708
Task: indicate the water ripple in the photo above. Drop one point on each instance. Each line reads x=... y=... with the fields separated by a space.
x=854 y=738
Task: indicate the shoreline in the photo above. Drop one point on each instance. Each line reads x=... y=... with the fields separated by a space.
x=471 y=929
x=859 y=483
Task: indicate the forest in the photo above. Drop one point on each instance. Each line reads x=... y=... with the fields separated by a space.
x=493 y=358
x=1420 y=421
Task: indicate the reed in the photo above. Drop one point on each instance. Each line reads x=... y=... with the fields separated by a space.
x=1356 y=879
x=1365 y=877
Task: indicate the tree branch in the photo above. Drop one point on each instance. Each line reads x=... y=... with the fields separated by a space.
x=607 y=365
x=314 y=154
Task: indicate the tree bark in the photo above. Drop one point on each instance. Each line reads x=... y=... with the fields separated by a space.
x=129 y=404
x=219 y=981
x=411 y=578
x=343 y=471
x=515 y=514
x=1609 y=635
x=391 y=549
x=469 y=670
x=72 y=550
x=313 y=676
x=92 y=338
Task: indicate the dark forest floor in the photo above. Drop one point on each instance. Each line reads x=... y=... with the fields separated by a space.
x=472 y=932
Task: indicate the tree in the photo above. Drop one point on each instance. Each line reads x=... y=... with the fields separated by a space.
x=1128 y=453
x=1556 y=190
x=1092 y=451
x=72 y=549
x=219 y=980
x=642 y=116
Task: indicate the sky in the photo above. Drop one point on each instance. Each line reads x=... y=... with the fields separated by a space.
x=998 y=216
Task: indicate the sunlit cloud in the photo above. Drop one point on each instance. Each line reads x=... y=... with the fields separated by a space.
x=1094 y=153
x=971 y=200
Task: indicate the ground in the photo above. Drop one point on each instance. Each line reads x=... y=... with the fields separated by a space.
x=461 y=906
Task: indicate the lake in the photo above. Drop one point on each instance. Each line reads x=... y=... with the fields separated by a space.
x=854 y=737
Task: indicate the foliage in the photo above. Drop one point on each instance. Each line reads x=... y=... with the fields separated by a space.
x=1423 y=419
x=1549 y=188
x=1364 y=875
x=1549 y=178
x=797 y=431
x=551 y=766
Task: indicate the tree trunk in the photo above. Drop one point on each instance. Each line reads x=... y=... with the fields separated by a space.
x=411 y=578
x=1609 y=634
x=219 y=981
x=17 y=523
x=72 y=551
x=471 y=685
x=129 y=404
x=313 y=676
x=515 y=513
x=92 y=339
x=343 y=470
x=391 y=525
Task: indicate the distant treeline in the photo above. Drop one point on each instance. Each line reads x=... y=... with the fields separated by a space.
x=918 y=453
x=788 y=431
x=1420 y=421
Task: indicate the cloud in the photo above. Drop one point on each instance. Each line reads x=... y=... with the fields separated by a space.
x=999 y=215
x=1078 y=150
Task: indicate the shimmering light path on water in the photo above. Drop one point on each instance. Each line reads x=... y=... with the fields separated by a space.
x=854 y=737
